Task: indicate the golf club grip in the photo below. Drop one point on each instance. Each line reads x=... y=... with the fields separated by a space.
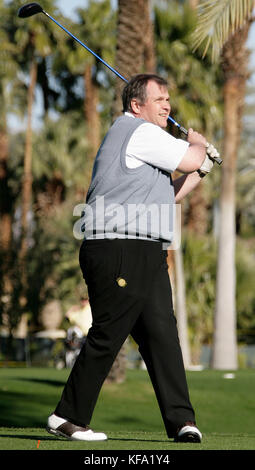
x=183 y=130
x=216 y=159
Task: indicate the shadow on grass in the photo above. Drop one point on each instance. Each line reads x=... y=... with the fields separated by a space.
x=132 y=439
x=54 y=383
x=49 y=438
x=25 y=409
x=29 y=436
x=31 y=410
x=126 y=419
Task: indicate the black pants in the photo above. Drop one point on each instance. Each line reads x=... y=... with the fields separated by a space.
x=142 y=308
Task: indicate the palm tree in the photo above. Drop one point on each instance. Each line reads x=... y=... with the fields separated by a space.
x=8 y=70
x=95 y=27
x=27 y=177
x=7 y=67
x=198 y=213
x=134 y=43
x=149 y=40
x=59 y=168
x=246 y=179
x=33 y=40
x=189 y=80
x=59 y=149
x=225 y=26
x=177 y=277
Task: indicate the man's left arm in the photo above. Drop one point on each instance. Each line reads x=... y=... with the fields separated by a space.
x=186 y=183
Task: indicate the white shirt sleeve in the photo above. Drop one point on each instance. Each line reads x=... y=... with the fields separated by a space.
x=151 y=144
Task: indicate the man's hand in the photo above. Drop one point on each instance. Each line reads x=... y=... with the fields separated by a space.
x=206 y=166
x=196 y=138
x=199 y=156
x=211 y=151
x=211 y=154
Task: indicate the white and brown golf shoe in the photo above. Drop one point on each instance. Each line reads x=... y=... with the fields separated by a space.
x=188 y=433
x=63 y=428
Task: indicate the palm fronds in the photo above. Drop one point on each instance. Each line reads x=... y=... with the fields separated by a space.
x=217 y=20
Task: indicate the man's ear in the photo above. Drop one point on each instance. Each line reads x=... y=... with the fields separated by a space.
x=135 y=105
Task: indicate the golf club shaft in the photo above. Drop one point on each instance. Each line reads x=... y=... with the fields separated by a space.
x=86 y=47
x=182 y=129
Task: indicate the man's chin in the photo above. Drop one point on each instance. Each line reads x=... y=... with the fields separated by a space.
x=163 y=124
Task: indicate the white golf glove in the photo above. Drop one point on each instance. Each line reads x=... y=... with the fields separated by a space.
x=211 y=151
x=208 y=162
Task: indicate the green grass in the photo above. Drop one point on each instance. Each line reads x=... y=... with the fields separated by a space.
x=127 y=412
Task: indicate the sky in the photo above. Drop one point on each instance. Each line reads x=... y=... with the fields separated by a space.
x=68 y=7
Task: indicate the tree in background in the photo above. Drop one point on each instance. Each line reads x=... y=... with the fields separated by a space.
x=189 y=79
x=29 y=43
x=33 y=40
x=8 y=71
x=225 y=25
x=96 y=28
x=135 y=52
x=79 y=72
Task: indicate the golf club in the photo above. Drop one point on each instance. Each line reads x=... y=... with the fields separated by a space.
x=31 y=9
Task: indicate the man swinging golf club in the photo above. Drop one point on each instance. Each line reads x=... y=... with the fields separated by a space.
x=129 y=214
x=125 y=266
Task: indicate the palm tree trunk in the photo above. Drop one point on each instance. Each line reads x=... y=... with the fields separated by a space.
x=235 y=58
x=5 y=204
x=197 y=215
x=27 y=183
x=197 y=222
x=193 y=3
x=224 y=346
x=5 y=223
x=180 y=296
x=149 y=43
x=130 y=44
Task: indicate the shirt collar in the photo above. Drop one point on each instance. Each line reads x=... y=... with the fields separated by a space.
x=129 y=114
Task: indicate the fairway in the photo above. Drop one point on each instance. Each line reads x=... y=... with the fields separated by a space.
x=127 y=412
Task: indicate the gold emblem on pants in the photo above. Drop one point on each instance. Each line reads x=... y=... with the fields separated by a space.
x=121 y=282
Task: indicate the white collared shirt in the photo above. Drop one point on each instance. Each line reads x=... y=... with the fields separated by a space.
x=151 y=144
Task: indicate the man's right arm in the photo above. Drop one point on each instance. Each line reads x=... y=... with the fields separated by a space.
x=195 y=153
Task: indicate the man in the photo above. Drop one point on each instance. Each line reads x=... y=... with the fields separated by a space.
x=123 y=262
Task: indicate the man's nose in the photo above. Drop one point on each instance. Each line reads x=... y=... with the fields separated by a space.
x=167 y=106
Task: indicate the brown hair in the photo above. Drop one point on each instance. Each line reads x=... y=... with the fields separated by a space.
x=136 y=88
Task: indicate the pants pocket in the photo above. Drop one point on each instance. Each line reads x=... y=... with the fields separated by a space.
x=101 y=263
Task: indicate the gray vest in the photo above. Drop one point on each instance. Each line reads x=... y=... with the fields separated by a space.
x=123 y=202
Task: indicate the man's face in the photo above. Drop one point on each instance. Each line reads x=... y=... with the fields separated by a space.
x=156 y=108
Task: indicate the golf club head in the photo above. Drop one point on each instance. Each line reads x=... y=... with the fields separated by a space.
x=29 y=9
